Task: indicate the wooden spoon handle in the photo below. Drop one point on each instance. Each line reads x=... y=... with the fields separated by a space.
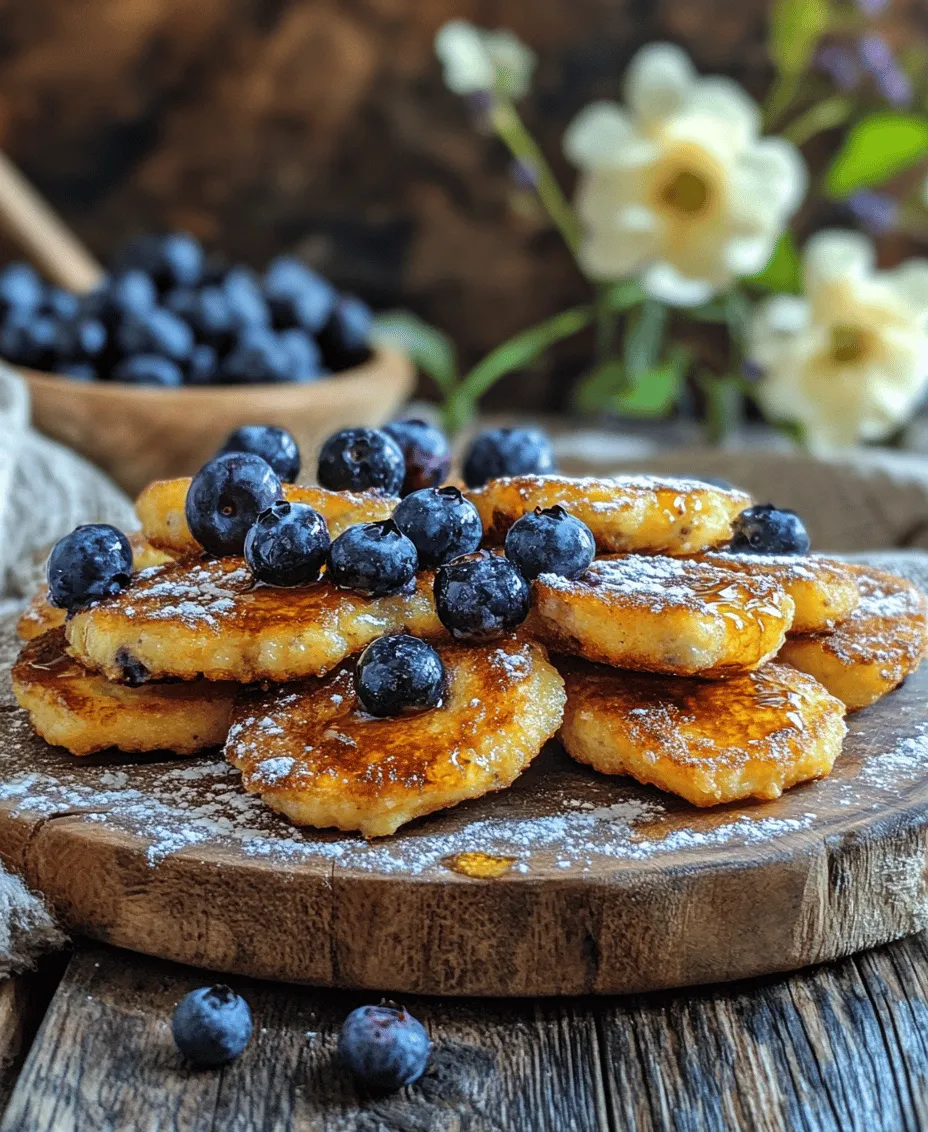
x=43 y=235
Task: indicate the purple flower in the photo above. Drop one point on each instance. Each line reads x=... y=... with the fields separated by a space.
x=872 y=8
x=876 y=212
x=895 y=86
x=890 y=79
x=841 y=65
x=875 y=53
x=751 y=370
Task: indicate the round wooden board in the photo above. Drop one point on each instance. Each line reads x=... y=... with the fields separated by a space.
x=613 y=887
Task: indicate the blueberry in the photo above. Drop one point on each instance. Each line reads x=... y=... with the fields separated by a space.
x=172 y=260
x=550 y=541
x=208 y=314
x=225 y=498
x=766 y=529
x=27 y=339
x=426 y=451
x=374 y=558
x=384 y=1046
x=258 y=359
x=92 y=562
x=129 y=292
x=344 y=338
x=79 y=339
x=480 y=597
x=298 y=296
x=202 y=365
x=361 y=459
x=246 y=303
x=507 y=452
x=20 y=288
x=148 y=369
x=60 y=304
x=157 y=331
x=288 y=545
x=273 y=444
x=303 y=359
x=441 y=523
x=212 y=1025
x=399 y=674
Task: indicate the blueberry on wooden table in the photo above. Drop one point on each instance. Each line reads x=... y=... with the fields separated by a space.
x=212 y=1025
x=384 y=1046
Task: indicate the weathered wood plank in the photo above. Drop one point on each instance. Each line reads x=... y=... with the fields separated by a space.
x=104 y=1059
x=23 y=1000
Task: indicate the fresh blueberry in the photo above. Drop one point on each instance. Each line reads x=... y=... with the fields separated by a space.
x=242 y=292
x=92 y=562
x=27 y=339
x=60 y=304
x=441 y=523
x=373 y=558
x=426 y=451
x=550 y=541
x=172 y=260
x=78 y=371
x=481 y=597
x=129 y=292
x=273 y=444
x=202 y=365
x=361 y=459
x=303 y=359
x=298 y=296
x=766 y=529
x=345 y=337
x=212 y=1025
x=20 y=288
x=79 y=339
x=225 y=498
x=507 y=452
x=288 y=545
x=157 y=331
x=148 y=369
x=208 y=314
x=384 y=1046
x=258 y=359
x=399 y=674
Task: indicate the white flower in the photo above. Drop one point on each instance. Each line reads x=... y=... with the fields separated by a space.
x=477 y=60
x=678 y=187
x=849 y=360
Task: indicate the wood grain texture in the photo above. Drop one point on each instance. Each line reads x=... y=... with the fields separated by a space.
x=674 y=897
x=839 y=1048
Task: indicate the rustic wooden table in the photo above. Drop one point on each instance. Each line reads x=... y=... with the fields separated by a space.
x=86 y=1045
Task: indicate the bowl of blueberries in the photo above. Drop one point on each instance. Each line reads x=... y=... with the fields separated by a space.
x=172 y=351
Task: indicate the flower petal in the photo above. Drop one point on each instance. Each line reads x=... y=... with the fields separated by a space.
x=663 y=281
x=837 y=255
x=911 y=282
x=658 y=81
x=723 y=99
x=610 y=252
x=775 y=168
x=514 y=61
x=466 y=61
x=598 y=135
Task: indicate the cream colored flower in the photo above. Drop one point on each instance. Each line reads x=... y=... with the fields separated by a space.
x=849 y=360
x=678 y=187
x=477 y=60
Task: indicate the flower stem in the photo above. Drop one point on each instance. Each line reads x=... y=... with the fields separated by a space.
x=825 y=115
x=523 y=147
x=605 y=318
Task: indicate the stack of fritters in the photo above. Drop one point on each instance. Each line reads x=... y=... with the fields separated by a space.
x=711 y=674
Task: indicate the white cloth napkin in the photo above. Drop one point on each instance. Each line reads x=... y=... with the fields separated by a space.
x=45 y=491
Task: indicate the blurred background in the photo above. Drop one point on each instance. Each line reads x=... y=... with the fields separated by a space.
x=323 y=127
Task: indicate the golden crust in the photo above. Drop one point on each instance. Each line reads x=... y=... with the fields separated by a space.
x=312 y=755
x=80 y=710
x=641 y=514
x=207 y=618
x=40 y=615
x=667 y=615
x=160 y=509
x=709 y=742
x=876 y=648
x=823 y=591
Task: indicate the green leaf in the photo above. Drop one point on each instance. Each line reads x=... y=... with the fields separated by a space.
x=877 y=148
x=430 y=348
x=796 y=26
x=597 y=388
x=622 y=296
x=644 y=338
x=784 y=271
x=654 y=394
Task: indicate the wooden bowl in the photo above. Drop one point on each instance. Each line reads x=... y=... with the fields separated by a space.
x=138 y=434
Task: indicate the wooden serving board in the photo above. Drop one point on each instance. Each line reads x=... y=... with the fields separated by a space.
x=611 y=887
